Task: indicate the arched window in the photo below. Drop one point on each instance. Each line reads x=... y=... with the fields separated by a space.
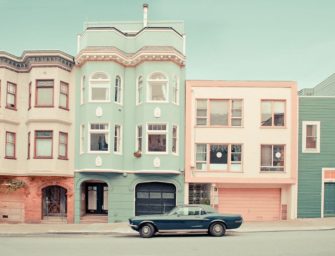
x=158 y=87
x=99 y=87
x=118 y=90
x=139 y=92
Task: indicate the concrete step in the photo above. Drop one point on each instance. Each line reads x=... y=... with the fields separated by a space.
x=53 y=220
x=94 y=218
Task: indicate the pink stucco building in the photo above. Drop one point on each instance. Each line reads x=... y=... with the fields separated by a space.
x=241 y=147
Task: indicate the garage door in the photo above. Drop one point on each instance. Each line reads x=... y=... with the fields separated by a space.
x=154 y=198
x=12 y=207
x=329 y=197
x=253 y=204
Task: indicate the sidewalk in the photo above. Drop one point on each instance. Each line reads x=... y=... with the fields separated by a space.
x=124 y=229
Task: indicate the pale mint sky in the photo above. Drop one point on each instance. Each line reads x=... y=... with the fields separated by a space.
x=226 y=39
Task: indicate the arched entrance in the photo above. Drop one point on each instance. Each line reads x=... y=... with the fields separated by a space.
x=54 y=201
x=96 y=197
x=154 y=198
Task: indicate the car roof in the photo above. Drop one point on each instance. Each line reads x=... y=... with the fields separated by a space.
x=206 y=207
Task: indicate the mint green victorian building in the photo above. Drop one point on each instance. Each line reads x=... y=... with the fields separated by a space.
x=130 y=79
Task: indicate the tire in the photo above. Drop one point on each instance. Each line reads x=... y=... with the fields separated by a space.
x=217 y=229
x=147 y=230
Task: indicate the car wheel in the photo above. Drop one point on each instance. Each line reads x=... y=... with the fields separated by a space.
x=147 y=230
x=217 y=229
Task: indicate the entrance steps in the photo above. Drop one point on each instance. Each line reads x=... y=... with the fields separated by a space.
x=53 y=220
x=94 y=218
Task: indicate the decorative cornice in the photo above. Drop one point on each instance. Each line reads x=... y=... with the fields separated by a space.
x=148 y=53
x=30 y=59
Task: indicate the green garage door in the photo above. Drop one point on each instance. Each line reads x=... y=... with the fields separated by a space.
x=329 y=210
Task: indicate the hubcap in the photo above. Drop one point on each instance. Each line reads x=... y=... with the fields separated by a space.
x=217 y=228
x=146 y=230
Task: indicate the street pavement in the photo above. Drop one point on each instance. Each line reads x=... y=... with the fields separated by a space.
x=123 y=228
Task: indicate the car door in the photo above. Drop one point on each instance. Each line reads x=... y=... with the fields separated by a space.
x=190 y=218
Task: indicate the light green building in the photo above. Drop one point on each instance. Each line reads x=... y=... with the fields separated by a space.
x=316 y=179
x=130 y=79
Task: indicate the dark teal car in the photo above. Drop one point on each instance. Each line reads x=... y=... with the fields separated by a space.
x=186 y=219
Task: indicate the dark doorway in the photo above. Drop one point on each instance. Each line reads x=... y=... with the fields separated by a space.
x=54 y=202
x=154 y=198
x=96 y=198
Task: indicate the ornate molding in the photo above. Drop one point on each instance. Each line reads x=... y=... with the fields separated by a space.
x=149 y=53
x=36 y=59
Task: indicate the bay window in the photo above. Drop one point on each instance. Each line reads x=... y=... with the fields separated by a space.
x=156 y=134
x=11 y=95
x=44 y=93
x=64 y=95
x=43 y=144
x=99 y=137
x=158 y=87
x=99 y=88
x=118 y=90
x=117 y=139
x=10 y=145
x=63 y=145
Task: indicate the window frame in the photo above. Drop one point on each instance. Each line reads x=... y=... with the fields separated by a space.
x=157 y=132
x=15 y=96
x=272 y=166
x=304 y=136
x=140 y=90
x=28 y=145
x=104 y=131
x=66 y=144
x=118 y=90
x=175 y=90
x=82 y=89
x=100 y=83
x=29 y=95
x=176 y=152
x=230 y=116
x=229 y=156
x=138 y=144
x=10 y=143
x=117 y=139
x=272 y=101
x=53 y=93
x=149 y=86
x=67 y=95
x=43 y=138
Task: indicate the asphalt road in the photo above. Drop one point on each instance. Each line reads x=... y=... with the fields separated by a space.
x=261 y=243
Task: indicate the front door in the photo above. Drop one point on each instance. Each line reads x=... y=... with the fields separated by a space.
x=97 y=198
x=54 y=201
x=329 y=200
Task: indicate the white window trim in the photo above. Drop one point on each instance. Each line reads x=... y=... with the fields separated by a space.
x=271 y=166
x=304 y=133
x=176 y=78
x=121 y=91
x=99 y=83
x=177 y=140
x=81 y=142
x=148 y=88
x=137 y=94
x=120 y=139
x=82 y=89
x=159 y=132
x=89 y=151
x=136 y=137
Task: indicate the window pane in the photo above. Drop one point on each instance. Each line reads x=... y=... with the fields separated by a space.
x=157 y=142
x=11 y=100
x=311 y=130
x=266 y=155
x=98 y=142
x=201 y=112
x=236 y=122
x=266 y=109
x=100 y=94
x=201 y=152
x=62 y=150
x=236 y=108
x=45 y=96
x=278 y=155
x=43 y=147
x=158 y=91
x=219 y=112
x=279 y=113
x=218 y=157
x=10 y=150
x=63 y=100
